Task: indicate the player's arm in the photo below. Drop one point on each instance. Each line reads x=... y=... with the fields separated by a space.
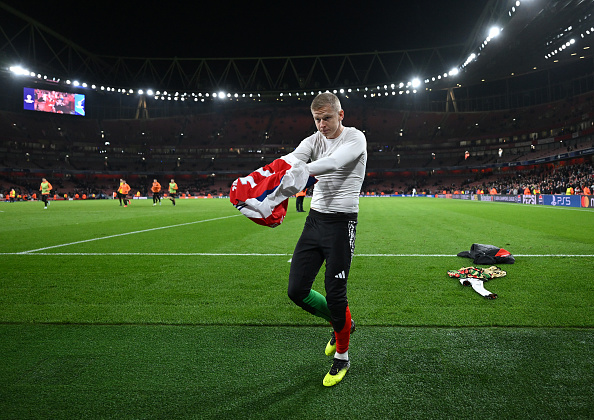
x=304 y=150
x=348 y=152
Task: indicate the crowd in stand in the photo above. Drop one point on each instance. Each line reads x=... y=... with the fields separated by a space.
x=202 y=151
x=551 y=179
x=545 y=179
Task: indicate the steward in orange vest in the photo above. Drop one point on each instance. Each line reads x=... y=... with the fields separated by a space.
x=300 y=197
x=123 y=191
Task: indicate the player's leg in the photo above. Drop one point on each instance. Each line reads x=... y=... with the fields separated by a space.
x=339 y=248
x=305 y=265
x=339 y=251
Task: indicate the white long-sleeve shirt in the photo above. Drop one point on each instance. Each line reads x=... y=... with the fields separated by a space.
x=339 y=165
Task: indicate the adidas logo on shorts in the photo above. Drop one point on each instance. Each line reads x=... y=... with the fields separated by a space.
x=340 y=275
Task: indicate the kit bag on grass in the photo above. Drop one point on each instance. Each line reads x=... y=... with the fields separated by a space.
x=488 y=255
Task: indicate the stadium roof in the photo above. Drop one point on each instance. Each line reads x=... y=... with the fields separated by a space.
x=302 y=49
x=540 y=35
x=225 y=29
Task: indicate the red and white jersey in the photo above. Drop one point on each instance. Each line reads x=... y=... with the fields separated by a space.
x=263 y=195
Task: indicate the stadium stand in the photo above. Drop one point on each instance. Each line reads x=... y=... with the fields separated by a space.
x=407 y=149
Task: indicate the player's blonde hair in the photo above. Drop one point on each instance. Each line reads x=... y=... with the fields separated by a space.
x=326 y=99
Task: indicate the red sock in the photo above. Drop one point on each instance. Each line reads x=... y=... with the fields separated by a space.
x=344 y=335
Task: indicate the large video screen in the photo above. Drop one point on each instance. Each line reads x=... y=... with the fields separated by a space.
x=53 y=101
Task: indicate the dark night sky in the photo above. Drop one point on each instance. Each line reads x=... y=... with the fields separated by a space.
x=254 y=29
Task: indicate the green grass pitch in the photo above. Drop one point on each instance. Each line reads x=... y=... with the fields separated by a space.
x=181 y=312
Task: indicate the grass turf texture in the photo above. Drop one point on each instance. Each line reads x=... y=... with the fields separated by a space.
x=174 y=321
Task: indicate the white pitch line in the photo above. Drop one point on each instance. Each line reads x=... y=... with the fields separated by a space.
x=147 y=254
x=233 y=254
x=124 y=234
x=454 y=255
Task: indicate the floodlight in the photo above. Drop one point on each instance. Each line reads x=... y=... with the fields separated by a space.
x=19 y=70
x=416 y=82
x=494 y=31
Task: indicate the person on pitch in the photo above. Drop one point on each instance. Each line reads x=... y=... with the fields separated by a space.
x=123 y=190
x=172 y=191
x=300 y=197
x=156 y=189
x=338 y=157
x=45 y=189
